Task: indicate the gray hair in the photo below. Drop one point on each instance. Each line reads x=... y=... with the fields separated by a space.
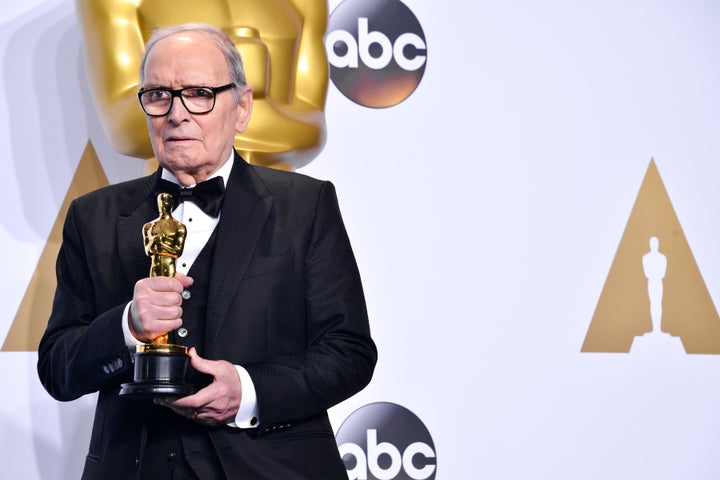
x=221 y=39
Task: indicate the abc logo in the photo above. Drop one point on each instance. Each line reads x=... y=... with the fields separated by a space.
x=384 y=441
x=377 y=51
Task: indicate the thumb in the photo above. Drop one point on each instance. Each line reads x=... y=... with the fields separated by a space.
x=184 y=280
x=200 y=364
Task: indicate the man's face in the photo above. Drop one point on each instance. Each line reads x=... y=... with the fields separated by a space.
x=190 y=144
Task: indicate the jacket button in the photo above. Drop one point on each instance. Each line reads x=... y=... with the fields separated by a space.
x=186 y=294
x=182 y=332
x=172 y=456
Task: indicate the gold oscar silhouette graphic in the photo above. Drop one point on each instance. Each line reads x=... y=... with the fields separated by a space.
x=679 y=313
x=282 y=45
x=160 y=367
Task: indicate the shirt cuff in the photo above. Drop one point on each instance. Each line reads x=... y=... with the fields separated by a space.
x=247 y=415
x=130 y=340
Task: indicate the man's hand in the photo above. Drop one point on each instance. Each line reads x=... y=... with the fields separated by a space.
x=216 y=404
x=157 y=306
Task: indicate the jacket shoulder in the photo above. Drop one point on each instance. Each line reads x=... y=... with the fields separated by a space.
x=116 y=198
x=278 y=180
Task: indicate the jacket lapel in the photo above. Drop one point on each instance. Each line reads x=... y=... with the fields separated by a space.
x=245 y=209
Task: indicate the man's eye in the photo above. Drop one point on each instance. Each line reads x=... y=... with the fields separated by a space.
x=198 y=93
x=157 y=95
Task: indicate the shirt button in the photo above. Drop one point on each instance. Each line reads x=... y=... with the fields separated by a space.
x=186 y=295
x=172 y=456
x=182 y=332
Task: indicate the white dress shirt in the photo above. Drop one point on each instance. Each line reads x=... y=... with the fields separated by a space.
x=199 y=227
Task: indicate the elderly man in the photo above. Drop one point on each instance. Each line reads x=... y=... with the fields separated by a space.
x=267 y=293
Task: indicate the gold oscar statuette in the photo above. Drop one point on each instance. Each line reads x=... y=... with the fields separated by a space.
x=160 y=367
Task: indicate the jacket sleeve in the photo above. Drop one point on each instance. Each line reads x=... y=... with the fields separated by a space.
x=340 y=355
x=82 y=349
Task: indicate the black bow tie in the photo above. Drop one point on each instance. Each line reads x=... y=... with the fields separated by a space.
x=206 y=195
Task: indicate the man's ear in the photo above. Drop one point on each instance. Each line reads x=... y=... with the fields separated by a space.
x=245 y=107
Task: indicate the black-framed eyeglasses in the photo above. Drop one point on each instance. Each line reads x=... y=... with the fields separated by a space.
x=157 y=102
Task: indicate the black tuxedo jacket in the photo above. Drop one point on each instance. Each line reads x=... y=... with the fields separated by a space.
x=284 y=300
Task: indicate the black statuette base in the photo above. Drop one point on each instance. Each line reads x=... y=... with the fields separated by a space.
x=160 y=371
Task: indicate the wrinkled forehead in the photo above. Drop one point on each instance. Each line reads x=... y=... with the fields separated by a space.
x=185 y=59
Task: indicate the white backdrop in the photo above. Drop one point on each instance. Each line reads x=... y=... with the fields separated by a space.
x=485 y=212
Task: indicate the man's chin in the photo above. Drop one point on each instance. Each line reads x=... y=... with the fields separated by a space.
x=179 y=157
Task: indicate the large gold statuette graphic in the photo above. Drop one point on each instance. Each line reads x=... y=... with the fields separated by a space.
x=281 y=43
x=161 y=367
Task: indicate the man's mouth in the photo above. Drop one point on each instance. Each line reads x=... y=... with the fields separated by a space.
x=177 y=139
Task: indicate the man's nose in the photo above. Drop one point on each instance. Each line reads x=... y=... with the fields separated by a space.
x=177 y=112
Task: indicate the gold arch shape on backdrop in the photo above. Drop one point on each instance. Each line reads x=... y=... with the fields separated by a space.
x=282 y=45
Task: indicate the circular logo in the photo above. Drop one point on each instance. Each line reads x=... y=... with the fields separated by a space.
x=384 y=441
x=377 y=51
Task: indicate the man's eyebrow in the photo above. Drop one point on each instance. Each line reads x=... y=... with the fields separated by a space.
x=151 y=85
